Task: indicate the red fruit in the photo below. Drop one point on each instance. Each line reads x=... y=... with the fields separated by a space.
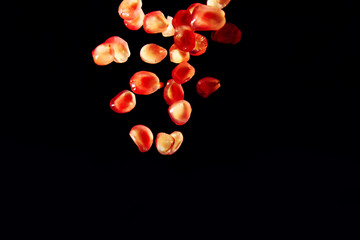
x=184 y=38
x=177 y=55
x=218 y=3
x=168 y=144
x=173 y=92
x=207 y=18
x=145 y=83
x=183 y=72
x=129 y=9
x=142 y=137
x=182 y=17
x=152 y=53
x=207 y=86
x=137 y=22
x=170 y=29
x=103 y=54
x=193 y=6
x=180 y=112
x=201 y=45
x=121 y=49
x=229 y=33
x=123 y=102
x=155 y=22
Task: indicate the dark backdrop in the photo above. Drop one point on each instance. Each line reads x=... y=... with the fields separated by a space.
x=277 y=144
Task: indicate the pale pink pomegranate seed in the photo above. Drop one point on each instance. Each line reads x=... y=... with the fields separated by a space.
x=173 y=92
x=103 y=54
x=142 y=137
x=145 y=83
x=136 y=23
x=229 y=33
x=129 y=9
x=206 y=86
x=170 y=29
x=179 y=138
x=207 y=18
x=201 y=45
x=184 y=38
x=123 y=102
x=180 y=112
x=168 y=144
x=121 y=49
x=152 y=53
x=218 y=3
x=155 y=22
x=183 y=72
x=177 y=55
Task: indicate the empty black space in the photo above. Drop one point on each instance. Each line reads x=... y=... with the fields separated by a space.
x=277 y=145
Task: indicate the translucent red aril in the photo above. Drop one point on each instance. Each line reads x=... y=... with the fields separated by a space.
x=201 y=45
x=155 y=22
x=129 y=9
x=184 y=38
x=207 y=86
x=218 y=3
x=180 y=112
x=168 y=144
x=173 y=92
x=142 y=137
x=183 y=72
x=123 y=102
x=152 y=53
x=182 y=17
x=145 y=83
x=137 y=22
x=177 y=55
x=193 y=6
x=229 y=33
x=170 y=29
x=207 y=18
x=121 y=49
x=103 y=54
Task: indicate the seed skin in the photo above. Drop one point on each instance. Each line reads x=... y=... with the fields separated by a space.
x=155 y=22
x=207 y=86
x=180 y=112
x=129 y=9
x=123 y=102
x=177 y=55
x=152 y=53
x=168 y=144
x=207 y=18
x=136 y=23
x=229 y=34
x=142 y=137
x=145 y=83
x=183 y=72
x=173 y=92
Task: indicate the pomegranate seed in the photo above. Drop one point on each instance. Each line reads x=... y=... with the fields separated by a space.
x=152 y=53
x=177 y=55
x=182 y=17
x=145 y=83
x=218 y=3
x=142 y=137
x=168 y=144
x=180 y=112
x=173 y=92
x=184 y=38
x=129 y=9
x=229 y=33
x=183 y=72
x=155 y=22
x=121 y=49
x=123 y=102
x=207 y=18
x=201 y=44
x=193 y=6
x=170 y=29
x=103 y=54
x=207 y=86
x=137 y=22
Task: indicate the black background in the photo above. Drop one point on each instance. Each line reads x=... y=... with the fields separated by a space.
x=276 y=146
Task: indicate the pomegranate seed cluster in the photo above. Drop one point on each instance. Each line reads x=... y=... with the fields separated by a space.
x=187 y=42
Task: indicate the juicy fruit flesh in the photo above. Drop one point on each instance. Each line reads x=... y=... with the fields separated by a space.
x=152 y=53
x=206 y=86
x=180 y=112
x=145 y=83
x=177 y=55
x=155 y=22
x=183 y=72
x=201 y=45
x=129 y=9
x=184 y=38
x=142 y=137
x=207 y=18
x=121 y=49
x=173 y=92
x=168 y=144
x=137 y=22
x=103 y=54
x=123 y=102
x=229 y=33
x=218 y=3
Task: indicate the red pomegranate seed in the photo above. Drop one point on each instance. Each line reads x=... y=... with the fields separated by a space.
x=183 y=72
x=218 y=3
x=193 y=6
x=129 y=9
x=145 y=83
x=229 y=33
x=173 y=92
x=180 y=112
x=123 y=102
x=182 y=17
x=142 y=137
x=207 y=86
x=184 y=38
x=207 y=18
x=155 y=22
x=168 y=144
x=177 y=55
x=103 y=54
x=152 y=53
x=121 y=49
x=137 y=22
x=201 y=44
x=170 y=29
